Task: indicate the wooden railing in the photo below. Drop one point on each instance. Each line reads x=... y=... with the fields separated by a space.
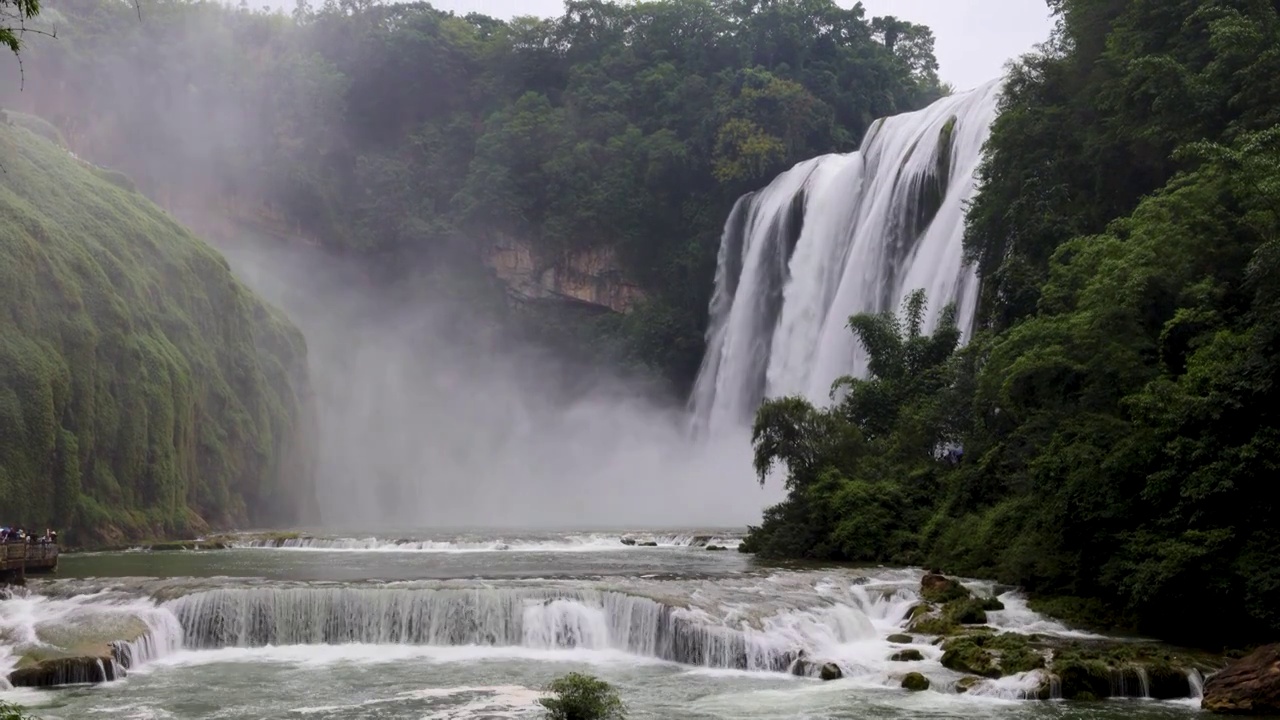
x=19 y=558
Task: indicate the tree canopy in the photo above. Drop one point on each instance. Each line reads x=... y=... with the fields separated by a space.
x=406 y=136
x=1111 y=431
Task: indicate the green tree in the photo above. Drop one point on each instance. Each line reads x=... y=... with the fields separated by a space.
x=13 y=17
x=582 y=697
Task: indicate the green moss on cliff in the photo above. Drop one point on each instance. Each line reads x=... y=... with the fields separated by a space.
x=143 y=390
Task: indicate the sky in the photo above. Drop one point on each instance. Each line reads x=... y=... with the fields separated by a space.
x=974 y=37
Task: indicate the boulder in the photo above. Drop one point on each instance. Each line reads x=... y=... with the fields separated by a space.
x=941 y=589
x=67 y=671
x=647 y=543
x=910 y=655
x=1248 y=686
x=966 y=683
x=628 y=541
x=915 y=682
x=831 y=671
x=901 y=639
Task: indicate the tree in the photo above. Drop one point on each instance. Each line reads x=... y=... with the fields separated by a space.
x=582 y=697
x=13 y=17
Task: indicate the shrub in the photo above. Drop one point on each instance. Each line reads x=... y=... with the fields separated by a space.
x=13 y=712
x=582 y=697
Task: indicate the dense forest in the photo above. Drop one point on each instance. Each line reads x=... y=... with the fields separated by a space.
x=144 y=391
x=406 y=137
x=1107 y=437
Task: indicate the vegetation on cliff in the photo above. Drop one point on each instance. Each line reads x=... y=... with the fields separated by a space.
x=1111 y=430
x=144 y=392
x=407 y=136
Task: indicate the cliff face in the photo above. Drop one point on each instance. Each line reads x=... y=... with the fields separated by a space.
x=143 y=390
x=592 y=276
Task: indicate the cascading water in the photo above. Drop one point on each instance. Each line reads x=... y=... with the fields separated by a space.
x=542 y=619
x=835 y=236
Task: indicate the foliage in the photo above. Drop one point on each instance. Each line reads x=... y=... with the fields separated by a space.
x=1117 y=418
x=627 y=126
x=143 y=391
x=582 y=697
x=18 y=12
x=13 y=712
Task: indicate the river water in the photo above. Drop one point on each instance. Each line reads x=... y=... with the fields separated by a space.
x=472 y=625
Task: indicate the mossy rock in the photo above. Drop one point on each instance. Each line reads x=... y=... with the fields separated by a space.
x=915 y=682
x=901 y=639
x=186 y=545
x=939 y=589
x=991 y=656
x=1112 y=668
x=909 y=655
x=967 y=683
x=933 y=625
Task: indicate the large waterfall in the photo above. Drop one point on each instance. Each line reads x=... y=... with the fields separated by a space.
x=835 y=236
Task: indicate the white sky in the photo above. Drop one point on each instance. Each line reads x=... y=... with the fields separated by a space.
x=975 y=37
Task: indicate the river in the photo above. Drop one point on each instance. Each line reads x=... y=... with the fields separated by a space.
x=448 y=626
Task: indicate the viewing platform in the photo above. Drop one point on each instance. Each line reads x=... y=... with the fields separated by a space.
x=17 y=559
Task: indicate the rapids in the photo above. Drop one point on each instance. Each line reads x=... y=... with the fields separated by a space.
x=259 y=631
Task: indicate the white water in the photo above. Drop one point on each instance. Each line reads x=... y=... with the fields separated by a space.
x=577 y=542
x=133 y=629
x=835 y=236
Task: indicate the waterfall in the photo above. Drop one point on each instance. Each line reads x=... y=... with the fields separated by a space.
x=544 y=619
x=835 y=236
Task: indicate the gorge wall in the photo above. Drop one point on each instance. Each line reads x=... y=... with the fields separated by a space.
x=143 y=390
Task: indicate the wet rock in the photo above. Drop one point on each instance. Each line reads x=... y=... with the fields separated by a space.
x=930 y=624
x=647 y=543
x=1248 y=686
x=67 y=671
x=901 y=638
x=1102 y=669
x=907 y=656
x=716 y=548
x=915 y=682
x=831 y=671
x=967 y=683
x=628 y=541
x=991 y=656
x=937 y=588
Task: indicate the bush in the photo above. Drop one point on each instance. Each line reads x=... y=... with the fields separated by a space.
x=13 y=712
x=582 y=697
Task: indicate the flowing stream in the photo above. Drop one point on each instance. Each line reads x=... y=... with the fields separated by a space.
x=472 y=625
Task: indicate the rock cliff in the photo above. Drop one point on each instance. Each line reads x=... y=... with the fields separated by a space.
x=592 y=276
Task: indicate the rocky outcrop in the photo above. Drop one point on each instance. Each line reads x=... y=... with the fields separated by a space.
x=593 y=276
x=67 y=671
x=915 y=682
x=1248 y=686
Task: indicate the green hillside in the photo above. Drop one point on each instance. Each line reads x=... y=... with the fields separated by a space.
x=143 y=390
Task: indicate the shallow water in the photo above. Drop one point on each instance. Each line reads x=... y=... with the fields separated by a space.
x=441 y=626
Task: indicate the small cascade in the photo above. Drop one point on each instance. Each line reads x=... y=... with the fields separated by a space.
x=1196 y=680
x=535 y=618
x=568 y=543
x=87 y=638
x=835 y=236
